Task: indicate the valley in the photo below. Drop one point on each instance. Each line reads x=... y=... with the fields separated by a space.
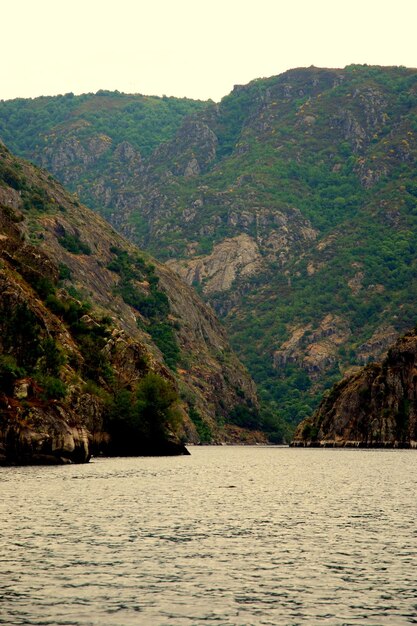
x=290 y=206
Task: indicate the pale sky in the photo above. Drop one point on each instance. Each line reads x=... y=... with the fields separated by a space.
x=192 y=48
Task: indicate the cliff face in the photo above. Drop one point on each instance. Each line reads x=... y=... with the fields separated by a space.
x=374 y=407
x=88 y=325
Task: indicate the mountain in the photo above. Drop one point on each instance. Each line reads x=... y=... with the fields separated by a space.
x=373 y=407
x=102 y=348
x=291 y=206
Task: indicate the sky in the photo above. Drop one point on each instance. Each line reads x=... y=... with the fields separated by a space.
x=191 y=48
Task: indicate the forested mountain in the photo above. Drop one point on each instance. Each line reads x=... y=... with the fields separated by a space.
x=144 y=121
x=101 y=348
x=291 y=205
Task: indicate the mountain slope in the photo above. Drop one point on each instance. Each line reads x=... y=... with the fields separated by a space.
x=291 y=206
x=93 y=332
x=374 y=407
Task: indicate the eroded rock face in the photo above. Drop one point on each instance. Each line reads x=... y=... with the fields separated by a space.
x=314 y=349
x=377 y=346
x=192 y=151
x=230 y=259
x=71 y=153
x=238 y=259
x=366 y=117
x=374 y=407
x=47 y=435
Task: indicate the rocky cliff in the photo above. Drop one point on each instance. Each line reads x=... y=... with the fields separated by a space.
x=373 y=407
x=93 y=333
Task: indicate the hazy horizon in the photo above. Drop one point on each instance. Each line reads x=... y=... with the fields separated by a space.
x=152 y=95
x=191 y=49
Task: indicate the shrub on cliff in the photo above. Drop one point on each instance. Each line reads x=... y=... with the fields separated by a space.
x=9 y=373
x=52 y=388
x=157 y=406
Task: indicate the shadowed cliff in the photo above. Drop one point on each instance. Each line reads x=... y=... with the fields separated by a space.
x=375 y=407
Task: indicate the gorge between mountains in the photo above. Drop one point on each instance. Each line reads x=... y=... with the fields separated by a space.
x=289 y=207
x=208 y=334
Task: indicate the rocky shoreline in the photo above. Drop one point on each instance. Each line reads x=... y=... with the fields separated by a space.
x=372 y=408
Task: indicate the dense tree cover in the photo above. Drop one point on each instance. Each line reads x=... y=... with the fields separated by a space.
x=143 y=121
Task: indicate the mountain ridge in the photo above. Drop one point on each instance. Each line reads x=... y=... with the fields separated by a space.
x=303 y=184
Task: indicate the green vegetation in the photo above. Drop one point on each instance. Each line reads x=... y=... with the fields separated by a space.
x=52 y=357
x=141 y=420
x=37 y=199
x=310 y=432
x=73 y=244
x=64 y=272
x=329 y=150
x=52 y=387
x=9 y=373
x=20 y=334
x=27 y=353
x=203 y=429
x=144 y=121
x=245 y=417
x=11 y=176
x=90 y=334
x=148 y=300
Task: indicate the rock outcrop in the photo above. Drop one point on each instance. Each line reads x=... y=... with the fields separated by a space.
x=44 y=435
x=374 y=407
x=230 y=260
x=314 y=349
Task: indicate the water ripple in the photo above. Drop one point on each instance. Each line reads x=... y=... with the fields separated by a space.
x=230 y=536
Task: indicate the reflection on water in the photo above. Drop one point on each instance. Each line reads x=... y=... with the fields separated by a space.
x=230 y=536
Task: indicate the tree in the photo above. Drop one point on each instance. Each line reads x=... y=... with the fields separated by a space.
x=142 y=422
x=157 y=407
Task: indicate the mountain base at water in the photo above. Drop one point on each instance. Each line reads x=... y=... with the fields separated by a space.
x=373 y=408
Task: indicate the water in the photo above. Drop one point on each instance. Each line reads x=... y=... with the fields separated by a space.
x=227 y=536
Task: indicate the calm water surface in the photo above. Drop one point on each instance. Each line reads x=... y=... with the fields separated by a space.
x=227 y=536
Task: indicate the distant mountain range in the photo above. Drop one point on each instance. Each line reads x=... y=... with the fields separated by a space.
x=291 y=207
